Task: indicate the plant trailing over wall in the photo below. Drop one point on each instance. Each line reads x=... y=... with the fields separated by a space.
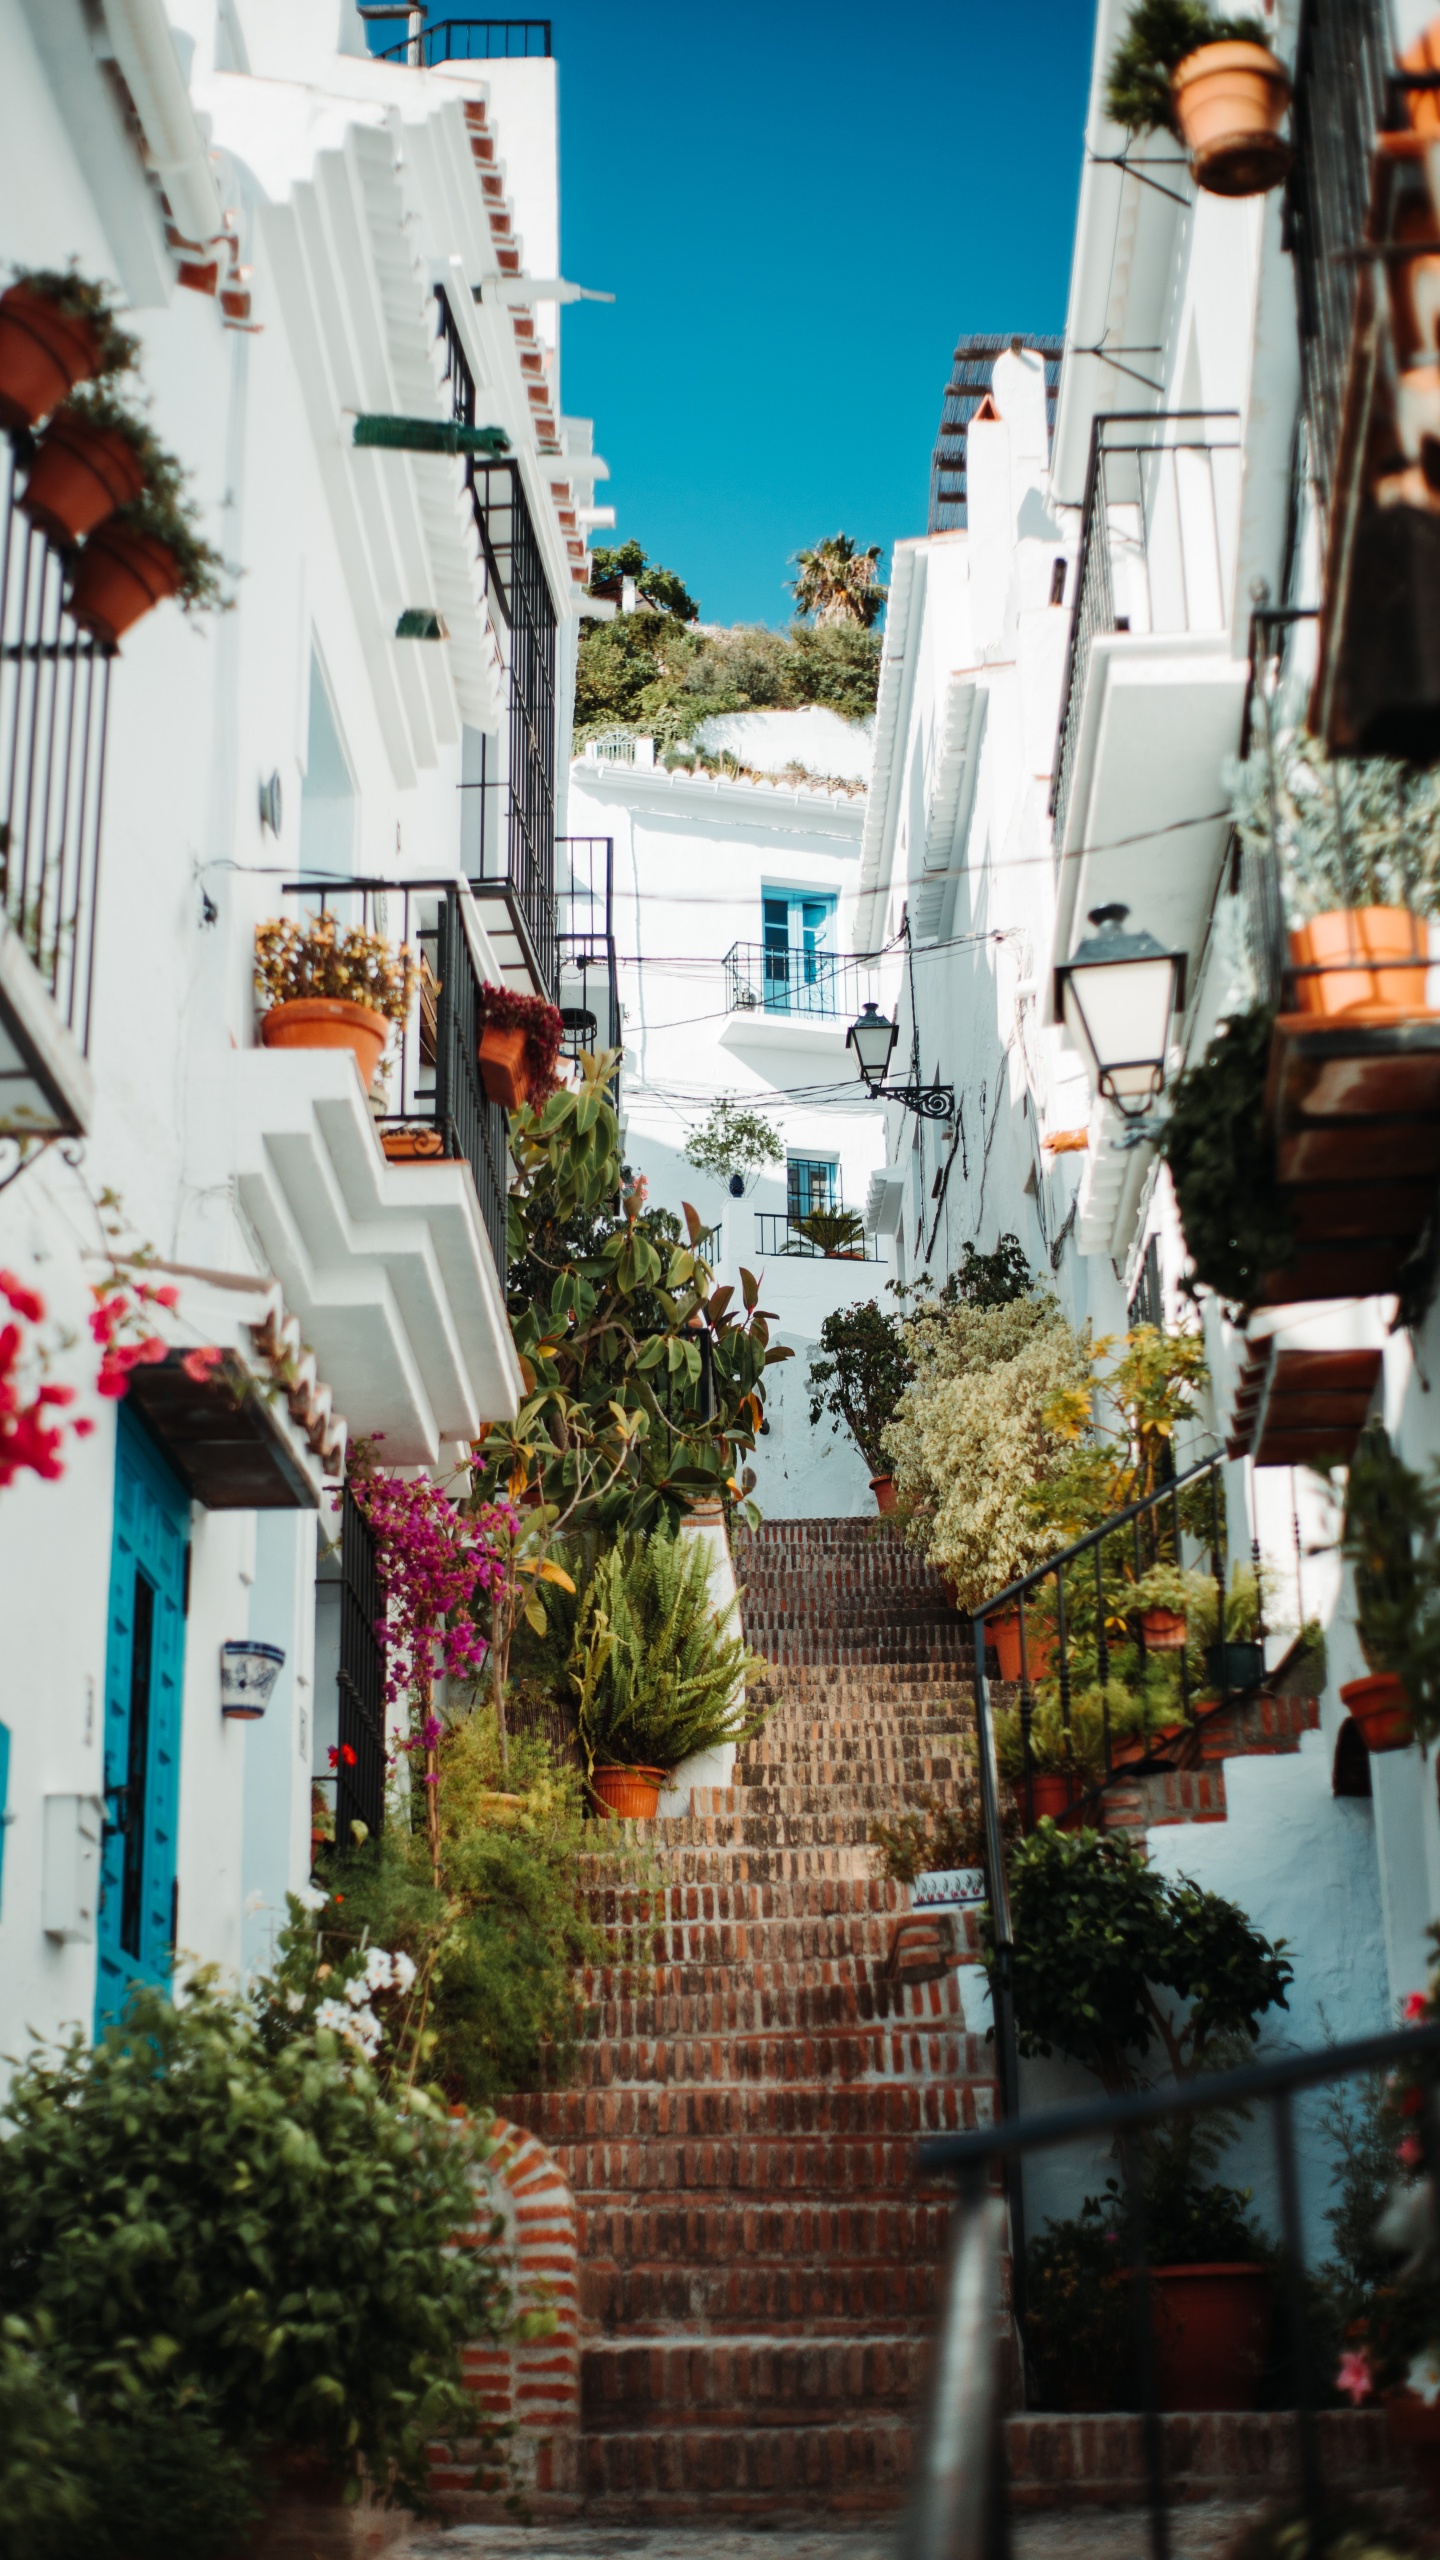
x=838 y=584
x=649 y=673
x=505 y=1010
x=219 y=2198
x=82 y=298
x=732 y=1140
x=1346 y=832
x=656 y=1673
x=320 y=958
x=1221 y=1155
x=1158 y=37
x=858 y=1376
x=1392 y=1539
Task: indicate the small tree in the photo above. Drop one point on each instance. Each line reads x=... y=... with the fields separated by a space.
x=610 y=567
x=858 y=1376
x=733 y=1142
x=837 y=583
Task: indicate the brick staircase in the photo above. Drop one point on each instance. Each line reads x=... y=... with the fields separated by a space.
x=758 y=2264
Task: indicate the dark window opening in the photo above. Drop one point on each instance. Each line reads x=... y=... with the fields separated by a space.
x=1351 y=1776
x=1057 y=583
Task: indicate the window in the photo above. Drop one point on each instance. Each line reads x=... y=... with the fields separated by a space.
x=327 y=793
x=811 y=1183
x=799 y=962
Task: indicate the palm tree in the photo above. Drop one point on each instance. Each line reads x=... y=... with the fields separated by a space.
x=837 y=583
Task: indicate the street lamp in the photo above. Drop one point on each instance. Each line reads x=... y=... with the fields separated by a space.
x=873 y=1038
x=1117 y=998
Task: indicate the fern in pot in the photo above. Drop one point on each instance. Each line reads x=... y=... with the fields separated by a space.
x=655 y=1671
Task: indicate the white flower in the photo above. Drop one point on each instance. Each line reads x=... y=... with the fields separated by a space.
x=357 y=1990
x=1423 y=2377
x=331 y=2014
x=310 y=1898
x=379 y=1968
x=364 y=2029
x=404 y=1972
x=294 y=2002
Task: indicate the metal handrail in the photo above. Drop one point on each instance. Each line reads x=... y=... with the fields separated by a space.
x=790 y=980
x=469 y=40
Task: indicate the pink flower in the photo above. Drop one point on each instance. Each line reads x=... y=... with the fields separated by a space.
x=1354 y=2377
x=166 y=1297
x=201 y=1364
x=23 y=1300
x=1417 y=2006
x=1408 y=2152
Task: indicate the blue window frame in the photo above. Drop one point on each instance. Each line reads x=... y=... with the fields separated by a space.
x=811 y=1183
x=799 y=962
x=144 y=1678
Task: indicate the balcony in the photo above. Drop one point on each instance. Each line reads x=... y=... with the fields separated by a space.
x=831 y=1234
x=589 y=997
x=792 y=999
x=460 y=39
x=54 y=702
x=1153 y=694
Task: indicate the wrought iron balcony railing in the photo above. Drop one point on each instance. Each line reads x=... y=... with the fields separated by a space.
x=464 y=39
x=1343 y=63
x=54 y=701
x=831 y=1234
x=761 y=978
x=589 y=996
x=1157 y=546
x=436 y=1104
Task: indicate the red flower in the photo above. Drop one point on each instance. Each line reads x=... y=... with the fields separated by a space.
x=345 y=1754
x=1416 y=2007
x=23 y=1300
x=201 y=1364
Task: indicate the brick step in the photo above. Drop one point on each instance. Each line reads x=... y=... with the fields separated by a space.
x=814 y=2165
x=838 y=1942
x=745 y=2290
x=881 y=2052
x=692 y=2118
x=781 y=1981
x=1074 y=2462
x=716 y=2236
x=1257 y=1727
x=868 y=1691
x=864 y=2465
x=1162 y=1796
x=861 y=1796
x=719 y=1852
x=741 y=2009
x=825 y=1837
x=740 y=1898
x=747 y=2382
x=838 y=1772
x=888 y=1727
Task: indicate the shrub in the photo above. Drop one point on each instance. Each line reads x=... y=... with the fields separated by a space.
x=733 y=1140
x=858 y=1376
x=317 y=958
x=1221 y=1155
x=651 y=672
x=654 y=1670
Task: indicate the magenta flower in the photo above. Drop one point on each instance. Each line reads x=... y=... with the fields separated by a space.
x=1354 y=2377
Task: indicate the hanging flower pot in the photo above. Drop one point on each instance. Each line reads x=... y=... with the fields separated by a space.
x=328 y=1022
x=81 y=474
x=1212 y=2334
x=121 y=575
x=628 y=1795
x=883 y=1488
x=44 y=352
x=1381 y=1710
x=1163 y=1630
x=502 y=1067
x=1347 y=950
x=1230 y=100
x=248 y=1673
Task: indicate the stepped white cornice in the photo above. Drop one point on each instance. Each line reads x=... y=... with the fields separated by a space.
x=947 y=809
x=892 y=711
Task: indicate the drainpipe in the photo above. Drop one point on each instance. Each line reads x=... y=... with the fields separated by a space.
x=140 y=33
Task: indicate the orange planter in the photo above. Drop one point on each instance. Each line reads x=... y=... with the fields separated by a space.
x=1004 y=1633
x=1212 y=2334
x=1231 y=100
x=628 y=1795
x=328 y=1022
x=1163 y=1630
x=883 y=1488
x=120 y=577
x=43 y=354
x=80 y=475
x=502 y=1067
x=1380 y=1708
x=412 y=1146
x=1368 y=990
x=1049 y=1793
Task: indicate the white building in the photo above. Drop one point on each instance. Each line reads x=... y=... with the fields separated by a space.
x=301 y=237
x=734 y=903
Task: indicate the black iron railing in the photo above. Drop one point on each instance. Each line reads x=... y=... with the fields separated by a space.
x=433 y=1087
x=1343 y=60
x=831 y=1234
x=589 y=982
x=466 y=40
x=789 y=979
x=360 y=1745
x=960 y=2499
x=1157 y=538
x=520 y=858
x=54 y=701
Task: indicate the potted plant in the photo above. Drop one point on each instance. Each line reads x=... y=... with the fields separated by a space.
x=1065 y=1759
x=1221 y=1154
x=839 y=1233
x=148 y=550
x=1162 y=1599
x=1211 y=81
x=331 y=989
x=1211 y=2287
x=856 y=1377
x=733 y=1144
x=519 y=1045
x=413 y=1144
x=1239 y=1661
x=1003 y=1632
x=91 y=459
x=57 y=328
x=1391 y=1538
x=654 y=1670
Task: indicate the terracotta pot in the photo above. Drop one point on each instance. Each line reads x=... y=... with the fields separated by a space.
x=1212 y=2334
x=328 y=1022
x=80 y=475
x=1050 y=1793
x=412 y=1146
x=120 y=575
x=1163 y=1630
x=1380 y=1708
x=1363 y=993
x=628 y=1795
x=1231 y=101
x=1004 y=1633
x=1414 y=2429
x=43 y=354
x=502 y=1067
x=883 y=1488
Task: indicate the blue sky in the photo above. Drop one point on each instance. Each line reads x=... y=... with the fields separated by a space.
x=800 y=206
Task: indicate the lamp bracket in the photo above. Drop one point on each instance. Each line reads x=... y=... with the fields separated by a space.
x=931 y=1101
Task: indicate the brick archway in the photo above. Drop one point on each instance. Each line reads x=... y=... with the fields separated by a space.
x=529 y=2384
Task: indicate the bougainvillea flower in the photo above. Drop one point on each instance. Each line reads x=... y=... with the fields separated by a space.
x=1354 y=2377
x=1417 y=2006
x=201 y=1363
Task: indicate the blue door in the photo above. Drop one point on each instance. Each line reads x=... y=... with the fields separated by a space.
x=144 y=1673
x=799 y=965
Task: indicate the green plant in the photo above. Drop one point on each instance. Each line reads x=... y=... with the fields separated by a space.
x=649 y=673
x=505 y=1010
x=839 y=584
x=1078 y=1745
x=989 y=1279
x=836 y=1231
x=1350 y=2532
x=1392 y=1538
x=82 y=298
x=1345 y=832
x=1079 y=2310
x=610 y=567
x=858 y=1374
x=654 y=1669
x=1221 y=1154
x=317 y=959
x=1158 y=37
x=167 y=514
x=733 y=1140
x=220 y=2196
